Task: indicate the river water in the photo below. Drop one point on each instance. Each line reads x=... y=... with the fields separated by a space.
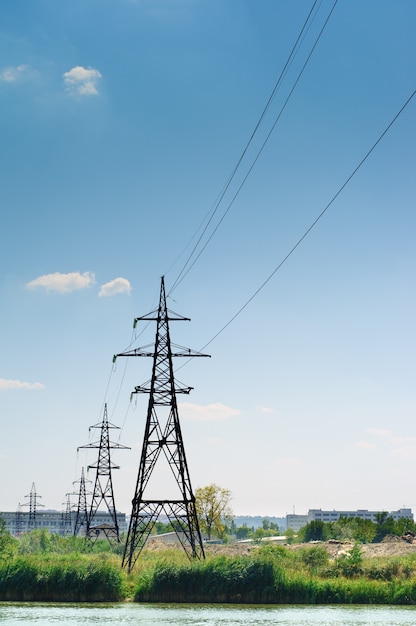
x=202 y=615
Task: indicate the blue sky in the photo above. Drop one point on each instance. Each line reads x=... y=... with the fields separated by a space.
x=121 y=123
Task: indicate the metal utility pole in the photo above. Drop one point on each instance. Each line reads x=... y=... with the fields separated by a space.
x=32 y=504
x=66 y=520
x=162 y=433
x=103 y=491
x=81 y=517
x=19 y=521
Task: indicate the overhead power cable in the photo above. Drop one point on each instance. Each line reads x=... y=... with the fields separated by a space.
x=262 y=146
x=188 y=265
x=314 y=223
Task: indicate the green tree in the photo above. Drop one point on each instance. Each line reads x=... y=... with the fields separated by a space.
x=353 y=528
x=268 y=525
x=8 y=543
x=385 y=525
x=315 y=531
x=242 y=532
x=290 y=535
x=364 y=531
x=404 y=525
x=342 y=529
x=213 y=509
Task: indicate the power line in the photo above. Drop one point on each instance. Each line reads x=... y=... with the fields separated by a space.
x=188 y=265
x=314 y=223
x=262 y=146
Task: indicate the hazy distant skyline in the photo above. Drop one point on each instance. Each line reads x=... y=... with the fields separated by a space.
x=122 y=122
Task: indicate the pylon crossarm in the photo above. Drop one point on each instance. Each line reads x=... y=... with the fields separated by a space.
x=136 y=352
x=154 y=316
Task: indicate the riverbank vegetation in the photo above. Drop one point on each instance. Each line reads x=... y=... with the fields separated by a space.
x=54 y=577
x=280 y=575
x=40 y=566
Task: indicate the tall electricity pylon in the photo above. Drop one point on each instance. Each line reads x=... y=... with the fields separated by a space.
x=19 y=521
x=81 y=517
x=66 y=519
x=32 y=504
x=162 y=433
x=103 y=491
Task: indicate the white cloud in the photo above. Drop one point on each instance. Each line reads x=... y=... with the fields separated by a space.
x=114 y=287
x=397 y=446
x=266 y=409
x=63 y=283
x=209 y=413
x=13 y=74
x=383 y=433
x=82 y=81
x=364 y=445
x=391 y=437
x=18 y=384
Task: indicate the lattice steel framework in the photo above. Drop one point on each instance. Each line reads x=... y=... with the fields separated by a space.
x=33 y=505
x=66 y=519
x=81 y=517
x=19 y=520
x=163 y=437
x=103 y=488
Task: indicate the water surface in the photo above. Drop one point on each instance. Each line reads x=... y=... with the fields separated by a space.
x=202 y=615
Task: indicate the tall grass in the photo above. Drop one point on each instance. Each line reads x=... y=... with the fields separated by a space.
x=218 y=580
x=269 y=574
x=62 y=579
x=277 y=576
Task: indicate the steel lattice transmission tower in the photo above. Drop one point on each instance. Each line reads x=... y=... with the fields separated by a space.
x=103 y=487
x=66 y=518
x=32 y=504
x=19 y=520
x=81 y=517
x=162 y=433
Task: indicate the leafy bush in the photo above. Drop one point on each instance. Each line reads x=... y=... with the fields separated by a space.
x=350 y=563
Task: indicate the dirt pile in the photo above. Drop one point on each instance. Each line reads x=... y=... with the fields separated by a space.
x=390 y=546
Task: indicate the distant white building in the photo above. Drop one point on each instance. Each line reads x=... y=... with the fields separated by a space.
x=57 y=522
x=295 y=522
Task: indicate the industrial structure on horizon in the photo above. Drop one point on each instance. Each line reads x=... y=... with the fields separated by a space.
x=65 y=522
x=58 y=522
x=296 y=522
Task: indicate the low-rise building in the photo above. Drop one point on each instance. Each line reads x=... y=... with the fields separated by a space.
x=57 y=522
x=295 y=522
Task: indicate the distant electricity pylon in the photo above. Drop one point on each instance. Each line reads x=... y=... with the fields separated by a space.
x=81 y=517
x=66 y=518
x=103 y=487
x=19 y=520
x=33 y=505
x=162 y=433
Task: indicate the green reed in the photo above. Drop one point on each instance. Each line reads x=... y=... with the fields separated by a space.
x=268 y=575
x=68 y=578
x=279 y=576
